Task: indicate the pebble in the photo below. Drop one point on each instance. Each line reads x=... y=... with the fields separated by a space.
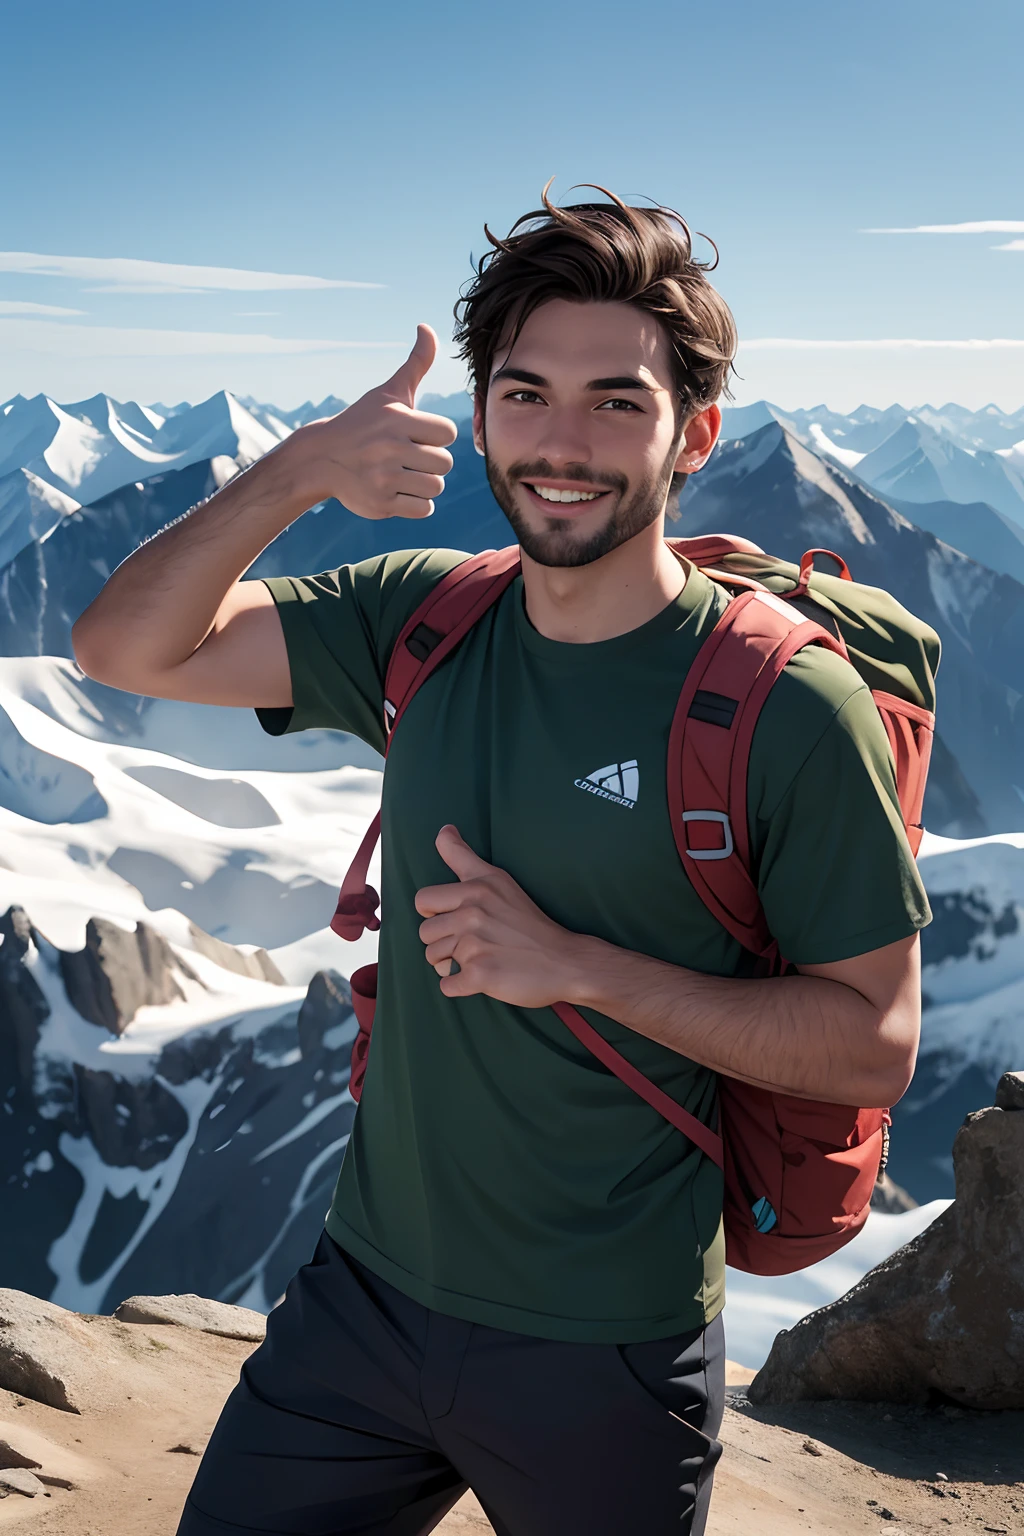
x=812 y=1448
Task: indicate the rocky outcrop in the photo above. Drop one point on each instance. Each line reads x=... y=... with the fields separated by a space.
x=80 y=1363
x=258 y=964
x=118 y=972
x=46 y=1353
x=945 y=1314
x=186 y=1158
x=195 y=1312
x=328 y=1002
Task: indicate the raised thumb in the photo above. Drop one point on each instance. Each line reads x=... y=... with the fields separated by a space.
x=458 y=855
x=406 y=381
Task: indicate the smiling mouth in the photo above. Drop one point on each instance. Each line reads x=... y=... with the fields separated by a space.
x=552 y=498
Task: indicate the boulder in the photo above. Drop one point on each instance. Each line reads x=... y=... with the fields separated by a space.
x=1010 y=1092
x=119 y=972
x=945 y=1314
x=194 y=1312
x=46 y=1353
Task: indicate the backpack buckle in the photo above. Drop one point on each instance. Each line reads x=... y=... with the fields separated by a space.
x=722 y=819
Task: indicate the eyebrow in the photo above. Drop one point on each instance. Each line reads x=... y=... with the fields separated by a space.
x=616 y=381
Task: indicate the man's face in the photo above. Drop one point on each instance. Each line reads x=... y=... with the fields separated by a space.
x=580 y=430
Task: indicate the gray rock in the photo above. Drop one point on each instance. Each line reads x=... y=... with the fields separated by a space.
x=118 y=972
x=194 y=1312
x=944 y=1314
x=23 y=1008
x=1010 y=1091
x=258 y=965
x=328 y=1001
x=891 y=1197
x=22 y=1482
x=132 y=1124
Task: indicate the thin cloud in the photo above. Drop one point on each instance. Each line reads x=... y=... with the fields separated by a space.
x=23 y=307
x=977 y=227
x=883 y=344
x=1011 y=245
x=113 y=341
x=123 y=274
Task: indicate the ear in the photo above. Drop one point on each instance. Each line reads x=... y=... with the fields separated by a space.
x=699 y=439
x=478 y=422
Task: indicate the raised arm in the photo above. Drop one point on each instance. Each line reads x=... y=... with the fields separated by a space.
x=176 y=620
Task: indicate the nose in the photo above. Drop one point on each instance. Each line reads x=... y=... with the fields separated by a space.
x=565 y=439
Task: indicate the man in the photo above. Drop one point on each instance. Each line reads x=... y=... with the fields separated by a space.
x=521 y=1280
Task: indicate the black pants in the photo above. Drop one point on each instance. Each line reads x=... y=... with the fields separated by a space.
x=366 y=1412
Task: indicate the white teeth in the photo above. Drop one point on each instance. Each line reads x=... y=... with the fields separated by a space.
x=549 y=495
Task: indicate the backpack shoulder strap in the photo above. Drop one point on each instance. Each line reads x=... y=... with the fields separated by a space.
x=709 y=753
x=442 y=620
x=444 y=617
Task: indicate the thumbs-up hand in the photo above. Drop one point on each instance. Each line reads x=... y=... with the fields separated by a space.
x=501 y=942
x=380 y=457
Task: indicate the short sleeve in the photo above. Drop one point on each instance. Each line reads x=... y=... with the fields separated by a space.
x=835 y=871
x=339 y=629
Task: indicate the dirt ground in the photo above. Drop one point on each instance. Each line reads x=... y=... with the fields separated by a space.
x=833 y=1469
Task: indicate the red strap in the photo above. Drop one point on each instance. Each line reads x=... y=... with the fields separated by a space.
x=709 y=754
x=807 y=567
x=449 y=611
x=700 y=1134
x=358 y=901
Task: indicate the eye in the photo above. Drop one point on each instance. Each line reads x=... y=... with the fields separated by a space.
x=525 y=396
x=628 y=405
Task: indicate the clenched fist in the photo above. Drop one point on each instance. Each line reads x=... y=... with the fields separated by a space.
x=380 y=457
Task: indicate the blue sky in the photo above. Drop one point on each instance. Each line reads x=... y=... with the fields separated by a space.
x=369 y=143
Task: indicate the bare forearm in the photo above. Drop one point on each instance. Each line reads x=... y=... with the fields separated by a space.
x=802 y=1035
x=160 y=603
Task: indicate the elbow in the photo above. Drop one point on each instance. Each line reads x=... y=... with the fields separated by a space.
x=88 y=655
x=892 y=1071
x=898 y=1080
x=97 y=658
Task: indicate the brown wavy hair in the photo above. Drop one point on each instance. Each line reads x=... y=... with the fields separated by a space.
x=607 y=253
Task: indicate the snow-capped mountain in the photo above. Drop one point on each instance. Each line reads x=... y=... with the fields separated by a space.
x=172 y=1109
x=194 y=1147
x=54 y=458
x=917 y=464
x=281 y=421
x=767 y=486
x=973 y=986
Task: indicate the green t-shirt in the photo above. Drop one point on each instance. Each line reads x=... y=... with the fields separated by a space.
x=496 y=1171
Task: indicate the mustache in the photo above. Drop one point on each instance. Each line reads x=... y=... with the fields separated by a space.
x=538 y=469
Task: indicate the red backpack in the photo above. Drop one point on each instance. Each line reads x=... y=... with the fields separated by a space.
x=798 y=1174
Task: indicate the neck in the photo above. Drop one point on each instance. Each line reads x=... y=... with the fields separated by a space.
x=611 y=596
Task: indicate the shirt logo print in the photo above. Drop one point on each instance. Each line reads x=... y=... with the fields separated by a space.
x=618 y=782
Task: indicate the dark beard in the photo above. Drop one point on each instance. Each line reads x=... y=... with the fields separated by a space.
x=556 y=545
